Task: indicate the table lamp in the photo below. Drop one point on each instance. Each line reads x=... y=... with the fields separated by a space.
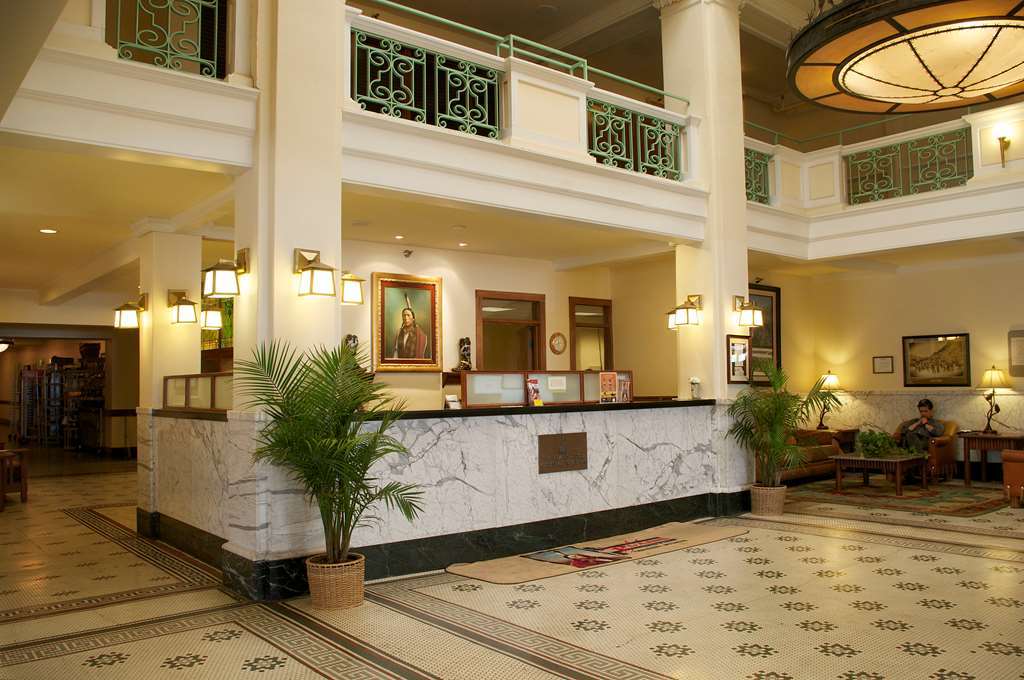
x=993 y=378
x=829 y=383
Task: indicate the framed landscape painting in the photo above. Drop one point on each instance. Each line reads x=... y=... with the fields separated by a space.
x=406 y=322
x=937 y=360
x=766 y=340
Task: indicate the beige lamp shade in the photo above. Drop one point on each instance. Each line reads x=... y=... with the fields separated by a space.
x=830 y=381
x=351 y=289
x=994 y=378
x=317 y=279
x=126 y=316
x=5 y=345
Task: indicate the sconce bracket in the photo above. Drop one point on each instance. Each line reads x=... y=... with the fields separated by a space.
x=242 y=261
x=174 y=295
x=697 y=300
x=303 y=257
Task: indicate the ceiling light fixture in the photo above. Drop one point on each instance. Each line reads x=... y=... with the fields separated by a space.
x=909 y=56
x=47 y=231
x=463 y=244
x=398 y=237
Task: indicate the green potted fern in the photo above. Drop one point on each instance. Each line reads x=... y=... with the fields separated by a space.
x=328 y=424
x=764 y=420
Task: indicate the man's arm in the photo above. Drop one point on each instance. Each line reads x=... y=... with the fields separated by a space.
x=935 y=428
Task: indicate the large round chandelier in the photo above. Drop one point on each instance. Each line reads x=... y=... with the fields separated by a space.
x=906 y=56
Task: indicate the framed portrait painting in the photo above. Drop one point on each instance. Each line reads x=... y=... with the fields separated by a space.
x=406 y=323
x=766 y=340
x=937 y=360
x=737 y=354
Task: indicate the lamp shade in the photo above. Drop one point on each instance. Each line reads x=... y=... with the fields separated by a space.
x=183 y=311
x=830 y=381
x=211 y=319
x=750 y=316
x=351 y=289
x=126 y=316
x=316 y=278
x=5 y=344
x=220 y=280
x=910 y=55
x=994 y=378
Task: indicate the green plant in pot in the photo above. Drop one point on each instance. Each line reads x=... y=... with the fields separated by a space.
x=764 y=421
x=328 y=426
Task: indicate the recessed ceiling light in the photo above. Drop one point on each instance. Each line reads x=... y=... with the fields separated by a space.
x=459 y=227
x=47 y=231
x=463 y=244
x=398 y=237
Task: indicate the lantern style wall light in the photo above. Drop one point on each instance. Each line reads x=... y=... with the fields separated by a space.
x=182 y=309
x=315 y=277
x=127 y=315
x=351 y=289
x=687 y=314
x=211 y=318
x=749 y=315
x=221 y=280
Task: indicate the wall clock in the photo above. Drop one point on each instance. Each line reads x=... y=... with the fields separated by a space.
x=557 y=343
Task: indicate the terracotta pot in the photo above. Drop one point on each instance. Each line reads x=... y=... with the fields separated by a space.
x=336 y=586
x=767 y=500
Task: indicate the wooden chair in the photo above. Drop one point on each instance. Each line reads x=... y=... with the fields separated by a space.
x=1013 y=477
x=10 y=461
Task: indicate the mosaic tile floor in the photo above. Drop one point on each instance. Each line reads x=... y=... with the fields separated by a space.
x=811 y=596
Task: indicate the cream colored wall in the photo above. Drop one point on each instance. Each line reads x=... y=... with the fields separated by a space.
x=77 y=12
x=462 y=274
x=642 y=293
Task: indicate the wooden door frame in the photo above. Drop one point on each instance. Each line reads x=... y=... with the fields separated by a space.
x=540 y=346
x=609 y=353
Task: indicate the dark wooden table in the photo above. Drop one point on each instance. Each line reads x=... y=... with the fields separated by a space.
x=9 y=460
x=898 y=466
x=983 y=443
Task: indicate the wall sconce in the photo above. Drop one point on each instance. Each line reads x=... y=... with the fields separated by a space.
x=686 y=314
x=5 y=344
x=351 y=289
x=829 y=383
x=211 y=318
x=993 y=379
x=315 y=277
x=750 y=316
x=182 y=309
x=221 y=280
x=1002 y=135
x=127 y=315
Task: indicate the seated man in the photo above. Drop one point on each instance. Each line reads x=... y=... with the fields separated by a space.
x=915 y=434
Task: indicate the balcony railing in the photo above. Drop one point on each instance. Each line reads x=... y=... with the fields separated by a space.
x=406 y=81
x=627 y=139
x=938 y=161
x=757 y=176
x=181 y=35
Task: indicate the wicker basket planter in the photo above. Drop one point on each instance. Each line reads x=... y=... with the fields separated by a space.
x=767 y=500
x=336 y=586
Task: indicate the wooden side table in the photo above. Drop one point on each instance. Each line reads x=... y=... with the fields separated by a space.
x=11 y=459
x=983 y=443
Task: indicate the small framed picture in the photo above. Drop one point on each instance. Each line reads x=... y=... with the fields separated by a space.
x=882 y=364
x=737 y=353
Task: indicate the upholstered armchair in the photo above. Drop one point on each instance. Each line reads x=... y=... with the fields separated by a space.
x=941 y=451
x=1013 y=477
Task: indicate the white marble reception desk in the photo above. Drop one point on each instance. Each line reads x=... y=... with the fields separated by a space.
x=483 y=493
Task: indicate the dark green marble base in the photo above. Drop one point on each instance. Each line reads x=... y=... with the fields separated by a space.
x=185 y=537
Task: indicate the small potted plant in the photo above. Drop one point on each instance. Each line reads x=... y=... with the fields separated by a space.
x=764 y=420
x=328 y=426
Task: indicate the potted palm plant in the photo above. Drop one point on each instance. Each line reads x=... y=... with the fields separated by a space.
x=328 y=425
x=764 y=420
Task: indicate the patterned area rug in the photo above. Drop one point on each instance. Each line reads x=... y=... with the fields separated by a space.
x=949 y=498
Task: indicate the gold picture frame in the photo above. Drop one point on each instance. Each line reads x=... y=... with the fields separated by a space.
x=406 y=342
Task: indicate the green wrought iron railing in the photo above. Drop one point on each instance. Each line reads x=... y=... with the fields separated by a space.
x=635 y=141
x=937 y=161
x=757 y=176
x=406 y=81
x=181 y=35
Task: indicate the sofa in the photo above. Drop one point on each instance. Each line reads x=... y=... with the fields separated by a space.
x=941 y=451
x=818 y=448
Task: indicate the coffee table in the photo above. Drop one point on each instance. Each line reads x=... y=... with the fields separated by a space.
x=898 y=465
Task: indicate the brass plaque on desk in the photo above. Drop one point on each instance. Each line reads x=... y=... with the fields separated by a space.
x=561 y=452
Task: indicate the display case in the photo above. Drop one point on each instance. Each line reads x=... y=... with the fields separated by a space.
x=198 y=392
x=493 y=389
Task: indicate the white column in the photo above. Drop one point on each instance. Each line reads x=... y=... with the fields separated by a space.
x=291 y=198
x=167 y=261
x=241 y=27
x=701 y=56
